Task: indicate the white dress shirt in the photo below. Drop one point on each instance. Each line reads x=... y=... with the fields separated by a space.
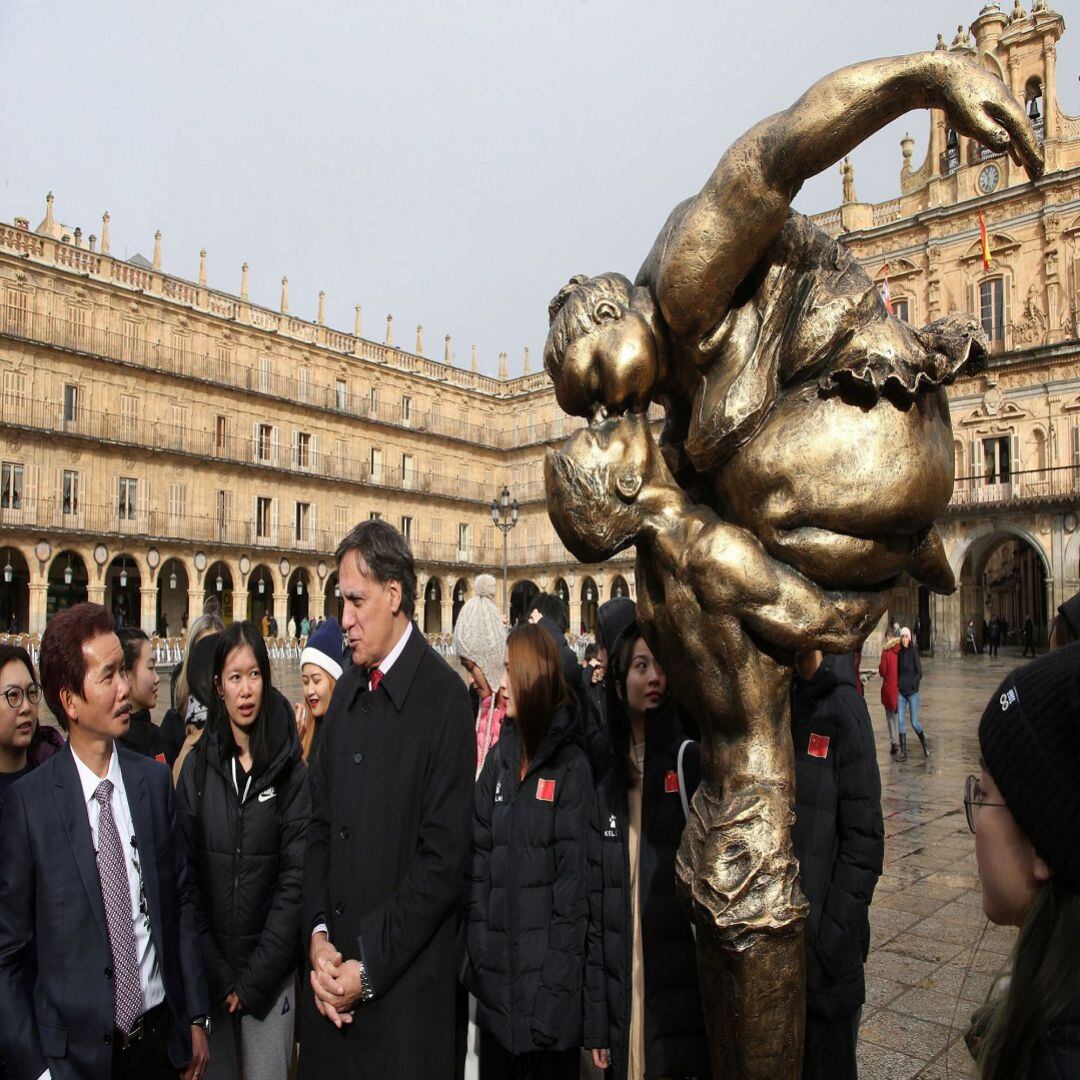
x=153 y=989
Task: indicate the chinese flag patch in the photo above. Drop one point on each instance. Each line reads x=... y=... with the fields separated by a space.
x=671 y=782
x=545 y=790
x=819 y=746
x=161 y=758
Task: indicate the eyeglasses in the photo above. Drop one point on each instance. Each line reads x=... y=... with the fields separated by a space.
x=973 y=800
x=14 y=696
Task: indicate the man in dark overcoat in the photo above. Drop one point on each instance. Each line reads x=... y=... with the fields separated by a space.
x=390 y=834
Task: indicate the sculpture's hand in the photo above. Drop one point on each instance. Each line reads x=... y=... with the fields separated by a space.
x=980 y=106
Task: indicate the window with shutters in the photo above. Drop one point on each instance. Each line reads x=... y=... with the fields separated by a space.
x=179 y=425
x=901 y=310
x=266 y=373
x=302 y=523
x=341 y=522
x=302 y=455
x=78 y=336
x=177 y=504
x=373 y=401
x=406 y=410
x=375 y=515
x=71 y=403
x=181 y=349
x=997 y=454
x=992 y=309
x=376 y=465
x=14 y=390
x=264 y=442
x=221 y=436
x=408 y=471
x=406 y=526
x=436 y=529
x=130 y=340
x=263 y=514
x=341 y=391
x=129 y=409
x=223 y=357
x=464 y=539
x=303 y=384
x=127 y=500
x=17 y=313
x=11 y=486
x=224 y=512
x=69 y=492
x=339 y=456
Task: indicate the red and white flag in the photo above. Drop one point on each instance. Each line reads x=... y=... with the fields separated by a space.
x=886 y=296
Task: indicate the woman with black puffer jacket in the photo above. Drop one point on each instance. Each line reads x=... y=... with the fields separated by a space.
x=643 y=1015
x=525 y=924
x=244 y=805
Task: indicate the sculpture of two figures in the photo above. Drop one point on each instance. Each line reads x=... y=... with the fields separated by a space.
x=806 y=452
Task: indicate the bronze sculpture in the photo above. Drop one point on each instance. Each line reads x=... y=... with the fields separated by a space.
x=806 y=452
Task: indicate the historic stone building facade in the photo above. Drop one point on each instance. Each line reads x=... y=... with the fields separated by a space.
x=163 y=440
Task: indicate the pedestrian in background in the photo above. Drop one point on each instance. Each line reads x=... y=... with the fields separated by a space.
x=527 y=910
x=244 y=808
x=908 y=679
x=1029 y=636
x=643 y=1014
x=1023 y=809
x=888 y=669
x=143 y=735
x=320 y=670
x=480 y=646
x=839 y=839
x=993 y=636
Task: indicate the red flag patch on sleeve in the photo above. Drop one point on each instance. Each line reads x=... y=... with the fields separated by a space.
x=819 y=746
x=671 y=782
x=161 y=758
x=545 y=790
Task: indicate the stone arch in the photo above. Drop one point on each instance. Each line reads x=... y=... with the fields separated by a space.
x=14 y=590
x=521 y=597
x=123 y=583
x=220 y=568
x=459 y=593
x=260 y=586
x=173 y=582
x=298 y=606
x=432 y=605
x=69 y=581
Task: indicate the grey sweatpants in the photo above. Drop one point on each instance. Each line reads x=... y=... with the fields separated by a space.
x=266 y=1045
x=893 y=721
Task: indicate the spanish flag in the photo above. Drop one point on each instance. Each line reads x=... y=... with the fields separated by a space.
x=885 y=294
x=987 y=261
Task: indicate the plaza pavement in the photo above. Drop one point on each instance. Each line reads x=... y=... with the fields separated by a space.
x=933 y=955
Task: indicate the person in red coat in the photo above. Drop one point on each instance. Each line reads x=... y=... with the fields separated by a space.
x=890 y=690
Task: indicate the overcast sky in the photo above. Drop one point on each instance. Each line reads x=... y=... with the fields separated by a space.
x=452 y=163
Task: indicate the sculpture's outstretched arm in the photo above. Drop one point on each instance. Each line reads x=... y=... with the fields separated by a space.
x=713 y=241
x=776 y=603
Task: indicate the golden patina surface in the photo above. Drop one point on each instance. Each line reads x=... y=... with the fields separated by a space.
x=806 y=452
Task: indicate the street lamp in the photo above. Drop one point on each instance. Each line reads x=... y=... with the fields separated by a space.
x=172 y=579
x=262 y=585
x=504 y=518
x=69 y=573
x=220 y=583
x=123 y=574
x=9 y=570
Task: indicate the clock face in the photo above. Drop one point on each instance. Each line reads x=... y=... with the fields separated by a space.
x=988 y=179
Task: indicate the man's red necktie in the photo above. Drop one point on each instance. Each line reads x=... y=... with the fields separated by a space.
x=375 y=679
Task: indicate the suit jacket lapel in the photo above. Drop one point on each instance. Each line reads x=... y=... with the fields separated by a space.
x=69 y=797
x=143 y=822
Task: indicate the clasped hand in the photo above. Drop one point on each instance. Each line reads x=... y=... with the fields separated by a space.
x=335 y=983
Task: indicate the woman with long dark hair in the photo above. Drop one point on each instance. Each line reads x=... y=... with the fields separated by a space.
x=244 y=806
x=143 y=735
x=24 y=744
x=1023 y=809
x=527 y=908
x=643 y=1015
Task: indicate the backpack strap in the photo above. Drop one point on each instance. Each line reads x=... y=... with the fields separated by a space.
x=682 y=779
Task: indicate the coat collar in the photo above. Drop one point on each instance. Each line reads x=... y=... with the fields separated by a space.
x=399 y=679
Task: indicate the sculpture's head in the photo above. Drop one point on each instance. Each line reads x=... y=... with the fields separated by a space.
x=593 y=485
x=602 y=351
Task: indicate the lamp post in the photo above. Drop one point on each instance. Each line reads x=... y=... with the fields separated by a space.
x=504 y=517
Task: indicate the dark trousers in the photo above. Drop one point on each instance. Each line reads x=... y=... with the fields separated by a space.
x=1029 y=645
x=148 y=1059
x=993 y=647
x=496 y=1063
x=829 y=1049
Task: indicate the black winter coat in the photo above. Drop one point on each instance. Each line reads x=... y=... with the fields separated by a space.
x=908 y=670
x=388 y=852
x=839 y=836
x=246 y=860
x=674 y=1022
x=527 y=911
x=144 y=736
x=1059 y=1056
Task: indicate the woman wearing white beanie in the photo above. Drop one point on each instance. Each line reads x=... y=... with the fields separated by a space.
x=480 y=644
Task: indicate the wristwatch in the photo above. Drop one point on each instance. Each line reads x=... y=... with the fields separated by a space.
x=203 y=1022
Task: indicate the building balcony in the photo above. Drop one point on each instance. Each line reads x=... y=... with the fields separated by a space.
x=112 y=428
x=1027 y=488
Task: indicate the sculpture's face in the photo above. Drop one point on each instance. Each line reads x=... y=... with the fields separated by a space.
x=610 y=368
x=593 y=484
